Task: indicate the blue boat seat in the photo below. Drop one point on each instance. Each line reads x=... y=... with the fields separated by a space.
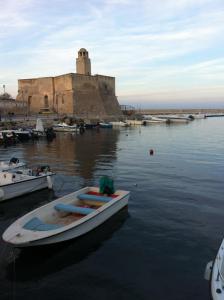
x=94 y=198
x=73 y=209
x=36 y=224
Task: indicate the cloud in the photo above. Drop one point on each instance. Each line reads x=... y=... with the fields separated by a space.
x=152 y=47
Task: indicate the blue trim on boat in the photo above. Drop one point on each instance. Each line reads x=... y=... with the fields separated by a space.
x=94 y=198
x=36 y=224
x=73 y=209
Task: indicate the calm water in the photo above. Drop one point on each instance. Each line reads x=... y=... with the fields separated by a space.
x=155 y=249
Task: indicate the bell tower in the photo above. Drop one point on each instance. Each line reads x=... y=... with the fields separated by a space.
x=83 y=64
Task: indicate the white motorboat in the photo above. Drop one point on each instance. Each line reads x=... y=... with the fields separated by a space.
x=153 y=120
x=177 y=119
x=24 y=181
x=22 y=135
x=134 y=122
x=12 y=164
x=197 y=116
x=119 y=124
x=105 y=125
x=65 y=127
x=65 y=218
x=215 y=273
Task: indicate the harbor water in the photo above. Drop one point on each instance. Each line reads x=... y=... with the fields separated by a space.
x=158 y=247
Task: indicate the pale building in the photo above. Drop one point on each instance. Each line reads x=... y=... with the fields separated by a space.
x=80 y=94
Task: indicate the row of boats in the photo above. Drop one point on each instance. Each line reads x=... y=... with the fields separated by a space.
x=12 y=136
x=147 y=119
x=63 y=219
x=15 y=135
x=150 y=119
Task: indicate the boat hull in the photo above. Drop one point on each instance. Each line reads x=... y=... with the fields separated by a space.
x=61 y=129
x=24 y=187
x=69 y=232
x=217 y=280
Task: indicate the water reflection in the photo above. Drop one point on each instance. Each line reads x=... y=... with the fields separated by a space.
x=16 y=207
x=75 y=154
x=33 y=263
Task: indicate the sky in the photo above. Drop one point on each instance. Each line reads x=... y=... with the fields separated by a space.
x=163 y=53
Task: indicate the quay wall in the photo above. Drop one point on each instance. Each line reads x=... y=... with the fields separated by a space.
x=180 y=111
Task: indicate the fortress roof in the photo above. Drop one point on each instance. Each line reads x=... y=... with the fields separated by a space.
x=83 y=50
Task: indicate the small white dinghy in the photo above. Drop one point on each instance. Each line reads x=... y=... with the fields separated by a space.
x=215 y=273
x=24 y=181
x=65 y=218
x=12 y=164
x=65 y=127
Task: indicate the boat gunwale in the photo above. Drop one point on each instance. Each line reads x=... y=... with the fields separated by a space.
x=29 y=179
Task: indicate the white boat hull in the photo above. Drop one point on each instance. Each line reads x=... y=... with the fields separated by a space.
x=155 y=121
x=217 y=278
x=173 y=120
x=134 y=122
x=61 y=129
x=13 y=190
x=79 y=230
x=20 y=237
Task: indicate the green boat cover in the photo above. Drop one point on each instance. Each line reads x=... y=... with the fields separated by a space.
x=106 y=185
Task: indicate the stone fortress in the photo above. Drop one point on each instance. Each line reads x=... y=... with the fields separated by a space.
x=78 y=94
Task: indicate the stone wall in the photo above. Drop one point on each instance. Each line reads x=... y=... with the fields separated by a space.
x=64 y=93
x=12 y=106
x=94 y=97
x=34 y=92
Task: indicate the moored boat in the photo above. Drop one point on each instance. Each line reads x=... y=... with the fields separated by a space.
x=65 y=218
x=153 y=120
x=105 y=125
x=134 y=122
x=13 y=163
x=119 y=124
x=215 y=273
x=24 y=181
x=176 y=119
x=65 y=127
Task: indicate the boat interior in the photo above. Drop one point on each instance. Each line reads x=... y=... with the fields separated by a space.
x=66 y=213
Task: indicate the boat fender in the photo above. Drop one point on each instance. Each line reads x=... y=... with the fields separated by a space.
x=1 y=194
x=49 y=182
x=208 y=270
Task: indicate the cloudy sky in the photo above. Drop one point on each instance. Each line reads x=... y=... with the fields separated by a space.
x=163 y=53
